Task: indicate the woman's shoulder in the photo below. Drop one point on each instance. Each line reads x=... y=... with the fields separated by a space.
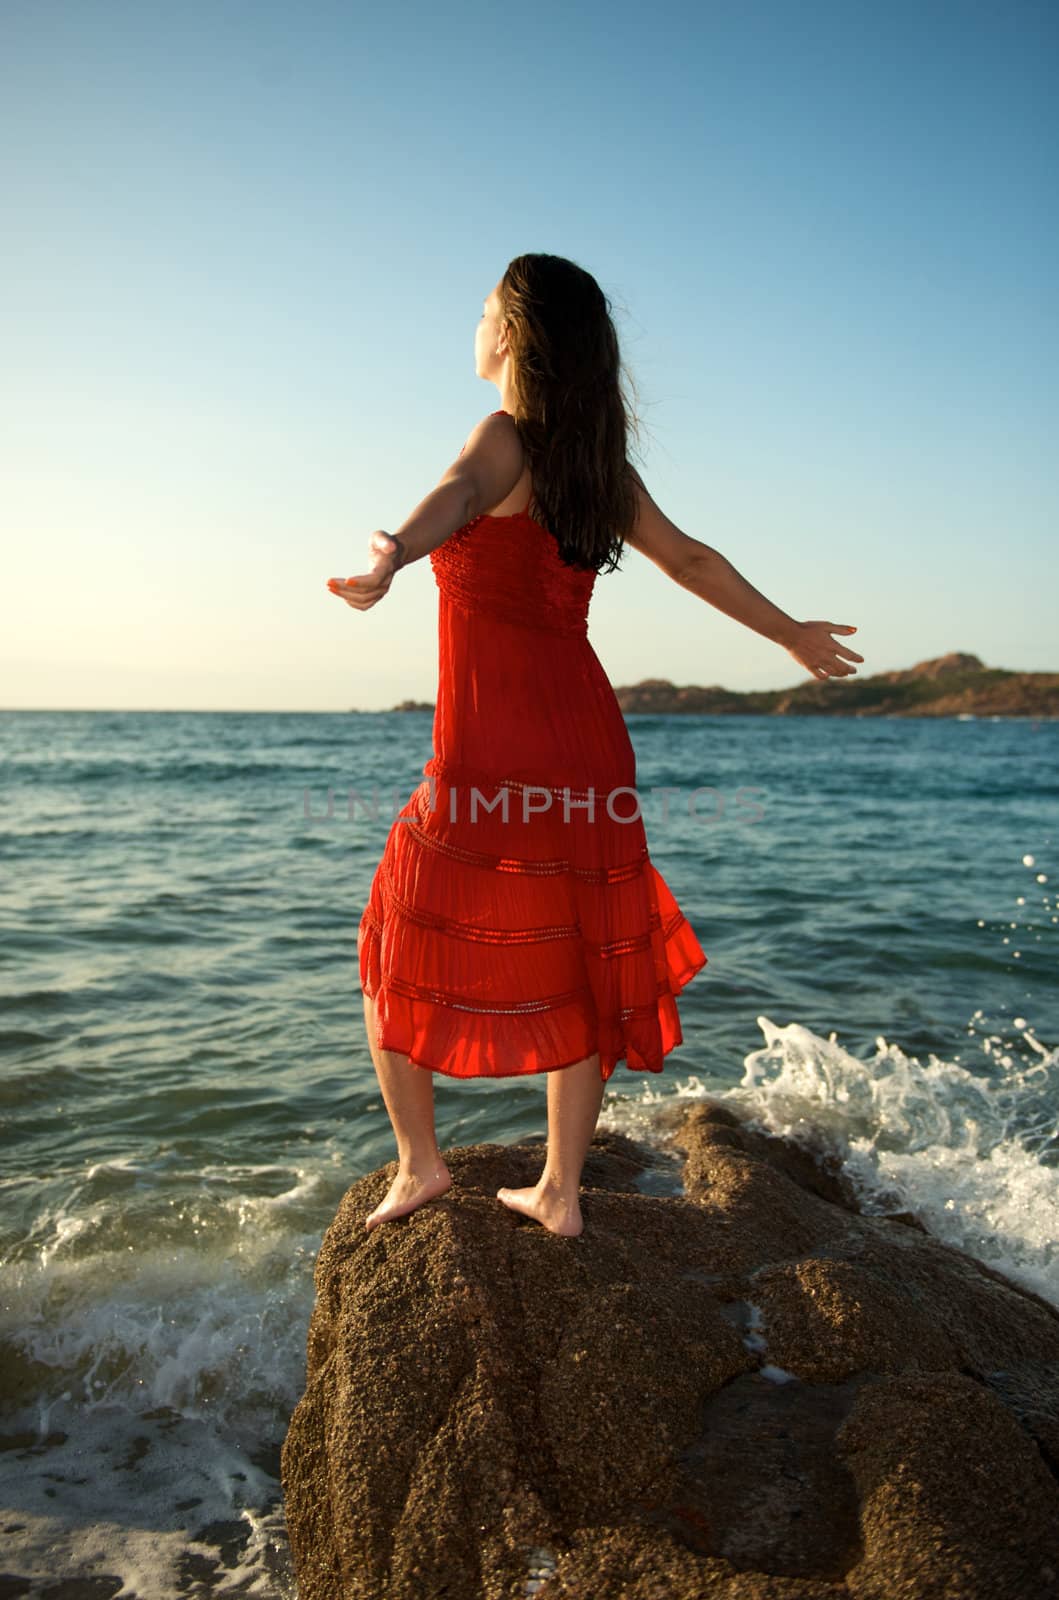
x=492 y=459
x=495 y=425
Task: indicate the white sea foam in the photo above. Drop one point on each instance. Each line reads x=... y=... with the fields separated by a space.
x=154 y=1329
x=969 y=1146
x=162 y=1376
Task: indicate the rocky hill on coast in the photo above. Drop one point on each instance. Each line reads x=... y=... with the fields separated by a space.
x=952 y=685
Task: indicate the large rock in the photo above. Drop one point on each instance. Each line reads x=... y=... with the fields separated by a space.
x=747 y=1390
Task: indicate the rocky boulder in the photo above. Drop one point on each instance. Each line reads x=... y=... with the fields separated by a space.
x=741 y=1389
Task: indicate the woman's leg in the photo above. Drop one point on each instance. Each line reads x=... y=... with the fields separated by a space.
x=408 y=1093
x=575 y=1095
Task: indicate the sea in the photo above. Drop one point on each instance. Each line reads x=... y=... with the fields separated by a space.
x=187 y=1091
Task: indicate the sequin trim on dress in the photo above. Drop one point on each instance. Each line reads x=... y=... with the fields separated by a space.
x=458 y=1002
x=464 y=930
x=553 y=1002
x=471 y=930
x=623 y=873
x=454 y=776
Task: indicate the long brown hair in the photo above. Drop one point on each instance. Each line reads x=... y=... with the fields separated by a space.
x=571 y=410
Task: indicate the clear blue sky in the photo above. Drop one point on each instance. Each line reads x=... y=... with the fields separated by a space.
x=246 y=249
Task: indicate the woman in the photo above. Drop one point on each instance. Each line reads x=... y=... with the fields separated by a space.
x=516 y=923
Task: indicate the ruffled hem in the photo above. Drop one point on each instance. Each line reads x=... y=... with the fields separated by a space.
x=451 y=1036
x=410 y=1028
x=494 y=949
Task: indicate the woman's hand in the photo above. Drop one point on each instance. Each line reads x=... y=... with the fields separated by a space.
x=814 y=649
x=367 y=589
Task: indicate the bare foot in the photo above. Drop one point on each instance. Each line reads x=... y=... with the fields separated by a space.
x=546 y=1206
x=407 y=1191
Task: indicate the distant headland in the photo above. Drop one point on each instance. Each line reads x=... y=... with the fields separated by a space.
x=954 y=685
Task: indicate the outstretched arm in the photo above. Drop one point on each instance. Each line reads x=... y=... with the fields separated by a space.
x=484 y=473
x=705 y=572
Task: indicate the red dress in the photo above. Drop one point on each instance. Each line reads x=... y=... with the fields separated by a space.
x=496 y=945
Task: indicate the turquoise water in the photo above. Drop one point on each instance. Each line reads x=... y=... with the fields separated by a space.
x=187 y=1091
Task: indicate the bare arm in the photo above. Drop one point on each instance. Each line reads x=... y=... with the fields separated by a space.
x=484 y=473
x=705 y=572
x=712 y=578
